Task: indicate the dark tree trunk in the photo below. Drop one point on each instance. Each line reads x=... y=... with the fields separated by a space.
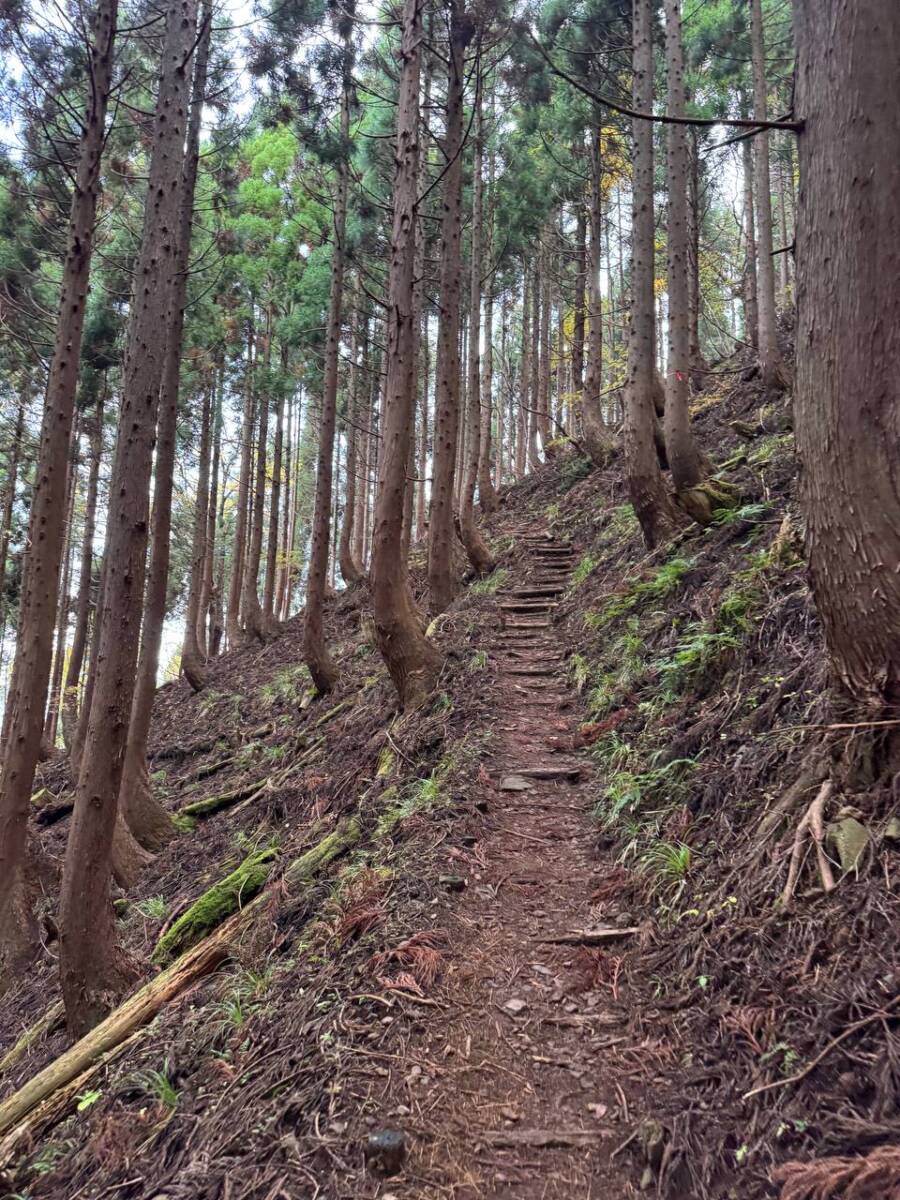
x=847 y=406
x=239 y=542
x=209 y=616
x=90 y=966
x=86 y=580
x=351 y=572
x=685 y=460
x=253 y=626
x=269 y=619
x=142 y=812
x=447 y=425
x=411 y=660
x=24 y=718
x=478 y=554
x=751 y=303
x=773 y=370
x=651 y=501
x=191 y=656
x=596 y=438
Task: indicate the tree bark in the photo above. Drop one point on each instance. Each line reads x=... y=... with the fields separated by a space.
x=239 y=542
x=24 y=717
x=351 y=572
x=86 y=581
x=579 y=318
x=773 y=370
x=522 y=422
x=442 y=581
x=698 y=361
x=142 y=812
x=191 y=657
x=596 y=439
x=315 y=651
x=269 y=619
x=91 y=969
x=751 y=303
x=487 y=495
x=847 y=407
x=253 y=625
x=209 y=619
x=411 y=660
x=651 y=501
x=478 y=554
x=685 y=460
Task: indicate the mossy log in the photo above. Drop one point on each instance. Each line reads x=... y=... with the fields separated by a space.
x=45 y=1097
x=119 y=1025
x=213 y=804
x=216 y=905
x=304 y=868
x=45 y=1024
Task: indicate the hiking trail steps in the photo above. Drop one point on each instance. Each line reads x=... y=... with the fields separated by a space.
x=509 y=1097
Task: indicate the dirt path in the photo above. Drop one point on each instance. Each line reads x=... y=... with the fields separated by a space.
x=505 y=1092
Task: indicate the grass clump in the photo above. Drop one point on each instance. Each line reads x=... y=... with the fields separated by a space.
x=491 y=584
x=633 y=793
x=288 y=686
x=583 y=571
x=661 y=584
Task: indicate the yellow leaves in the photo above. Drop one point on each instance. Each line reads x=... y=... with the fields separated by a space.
x=615 y=163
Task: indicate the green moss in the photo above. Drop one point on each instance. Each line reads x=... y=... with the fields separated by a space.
x=216 y=905
x=304 y=868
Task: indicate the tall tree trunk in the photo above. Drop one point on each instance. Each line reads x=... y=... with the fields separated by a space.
x=773 y=369
x=751 y=302
x=269 y=620
x=487 y=495
x=90 y=966
x=651 y=501
x=209 y=622
x=534 y=458
x=239 y=542
x=698 y=362
x=286 y=512
x=251 y=609
x=9 y=498
x=447 y=426
x=191 y=655
x=412 y=661
x=351 y=572
x=476 y=549
x=315 y=651
x=543 y=405
x=685 y=460
x=579 y=312
x=847 y=406
x=522 y=422
x=422 y=463
x=596 y=438
x=143 y=813
x=86 y=581
x=63 y=608
x=24 y=717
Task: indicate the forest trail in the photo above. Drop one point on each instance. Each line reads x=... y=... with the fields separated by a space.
x=504 y=1092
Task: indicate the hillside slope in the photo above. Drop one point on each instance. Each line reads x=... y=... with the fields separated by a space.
x=620 y=972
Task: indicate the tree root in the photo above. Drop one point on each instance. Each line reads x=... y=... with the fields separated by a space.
x=811 y=824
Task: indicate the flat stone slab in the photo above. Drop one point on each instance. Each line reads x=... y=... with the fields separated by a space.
x=515 y=783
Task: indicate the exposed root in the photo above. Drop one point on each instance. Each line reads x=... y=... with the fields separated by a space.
x=812 y=823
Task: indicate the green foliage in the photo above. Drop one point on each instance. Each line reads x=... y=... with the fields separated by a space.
x=154 y=908
x=584 y=570
x=661 y=584
x=478 y=661
x=667 y=865
x=287 y=686
x=491 y=584
x=573 y=471
x=158 y=1085
x=633 y=793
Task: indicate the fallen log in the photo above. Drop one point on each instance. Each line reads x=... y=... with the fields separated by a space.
x=591 y=937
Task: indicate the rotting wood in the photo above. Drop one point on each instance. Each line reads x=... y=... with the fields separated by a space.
x=544 y=1138
x=591 y=937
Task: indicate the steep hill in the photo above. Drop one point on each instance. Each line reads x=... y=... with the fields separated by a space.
x=588 y=923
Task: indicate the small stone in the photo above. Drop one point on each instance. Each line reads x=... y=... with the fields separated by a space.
x=515 y=783
x=515 y=1006
x=386 y=1151
x=892 y=831
x=453 y=883
x=849 y=838
x=598 y=1111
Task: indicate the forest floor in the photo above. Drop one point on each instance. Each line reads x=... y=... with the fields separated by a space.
x=624 y=977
